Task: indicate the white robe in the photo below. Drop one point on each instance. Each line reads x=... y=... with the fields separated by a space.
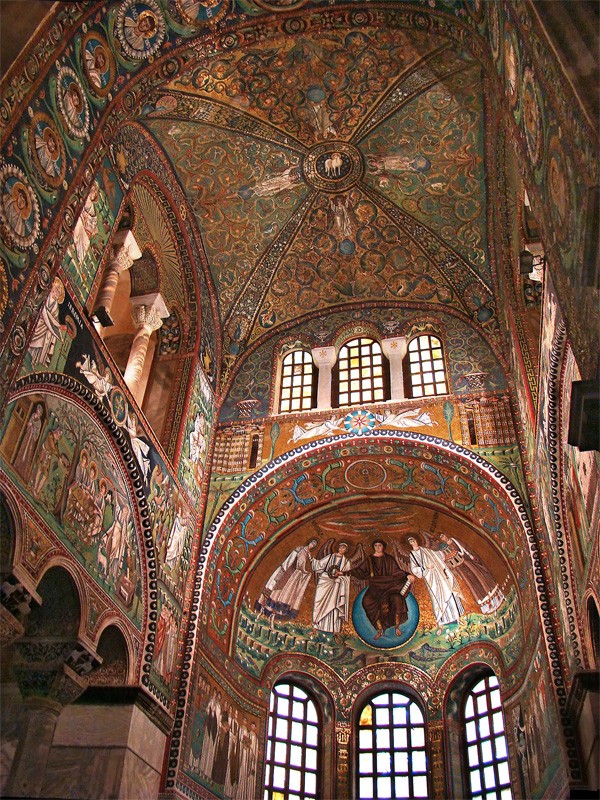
x=332 y=595
x=430 y=565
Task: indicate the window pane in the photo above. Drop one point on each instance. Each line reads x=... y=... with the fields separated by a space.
x=384 y=787
x=426 y=370
x=365 y=739
x=296 y=382
x=484 y=727
x=501 y=747
x=384 y=766
x=291 y=767
x=312 y=735
x=418 y=737
x=382 y=716
x=488 y=756
x=279 y=777
x=295 y=756
x=399 y=755
x=365 y=763
x=418 y=761
x=401 y=762
x=281 y=750
x=382 y=739
x=471 y=731
x=360 y=366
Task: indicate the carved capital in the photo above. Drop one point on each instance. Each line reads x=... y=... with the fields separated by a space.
x=394 y=348
x=54 y=669
x=148 y=311
x=146 y=317
x=324 y=356
x=15 y=597
x=126 y=248
x=10 y=627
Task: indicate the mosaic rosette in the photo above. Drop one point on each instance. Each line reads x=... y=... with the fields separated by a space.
x=140 y=29
x=47 y=150
x=98 y=63
x=333 y=166
x=359 y=421
x=19 y=207
x=72 y=103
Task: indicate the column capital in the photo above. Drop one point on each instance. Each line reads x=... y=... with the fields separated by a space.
x=148 y=311
x=324 y=356
x=395 y=347
x=41 y=672
x=125 y=247
x=10 y=627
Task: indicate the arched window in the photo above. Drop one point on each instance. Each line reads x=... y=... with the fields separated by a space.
x=361 y=377
x=391 y=754
x=298 y=385
x=292 y=762
x=485 y=742
x=425 y=373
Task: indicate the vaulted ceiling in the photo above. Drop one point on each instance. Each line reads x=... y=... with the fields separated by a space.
x=338 y=167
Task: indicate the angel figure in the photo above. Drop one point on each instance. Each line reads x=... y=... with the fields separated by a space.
x=442 y=586
x=101 y=382
x=332 y=594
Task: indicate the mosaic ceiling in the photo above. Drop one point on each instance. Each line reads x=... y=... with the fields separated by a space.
x=344 y=167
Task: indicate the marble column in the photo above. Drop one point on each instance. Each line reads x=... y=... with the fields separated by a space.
x=126 y=251
x=395 y=350
x=148 y=313
x=46 y=684
x=324 y=358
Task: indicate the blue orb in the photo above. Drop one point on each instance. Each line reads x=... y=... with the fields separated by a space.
x=347 y=247
x=367 y=632
x=315 y=94
x=484 y=314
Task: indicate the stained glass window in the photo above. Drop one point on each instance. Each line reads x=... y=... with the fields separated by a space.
x=485 y=742
x=292 y=762
x=391 y=753
x=425 y=366
x=360 y=373
x=297 y=382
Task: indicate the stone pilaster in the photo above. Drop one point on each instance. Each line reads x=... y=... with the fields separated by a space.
x=324 y=358
x=47 y=683
x=395 y=350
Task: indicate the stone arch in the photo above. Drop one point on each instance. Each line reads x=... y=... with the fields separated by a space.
x=89 y=434
x=115 y=648
x=8 y=534
x=265 y=507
